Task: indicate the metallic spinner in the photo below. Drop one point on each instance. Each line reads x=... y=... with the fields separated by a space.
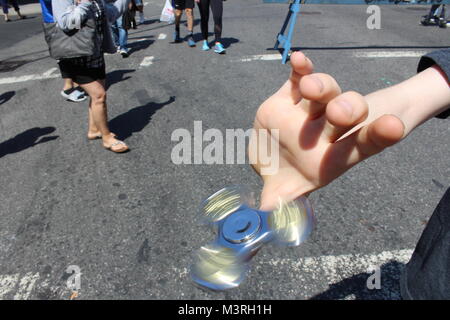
x=242 y=231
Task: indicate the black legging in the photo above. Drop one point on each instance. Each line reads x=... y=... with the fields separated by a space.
x=217 y=9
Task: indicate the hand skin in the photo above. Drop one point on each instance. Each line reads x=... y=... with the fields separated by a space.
x=324 y=132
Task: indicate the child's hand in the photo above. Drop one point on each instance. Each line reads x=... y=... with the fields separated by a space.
x=313 y=118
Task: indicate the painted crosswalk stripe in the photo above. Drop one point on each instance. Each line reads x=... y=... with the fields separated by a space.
x=50 y=74
x=147 y=61
x=21 y=286
x=256 y=57
x=162 y=36
x=389 y=54
x=325 y=270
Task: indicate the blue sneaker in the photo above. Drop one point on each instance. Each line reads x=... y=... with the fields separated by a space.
x=191 y=42
x=176 y=37
x=205 y=46
x=219 y=48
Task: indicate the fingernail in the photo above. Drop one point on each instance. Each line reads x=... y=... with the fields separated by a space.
x=347 y=107
x=318 y=82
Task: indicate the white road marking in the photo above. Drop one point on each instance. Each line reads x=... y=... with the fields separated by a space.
x=26 y=285
x=46 y=75
x=147 y=61
x=337 y=268
x=361 y=54
x=326 y=269
x=257 y=57
x=22 y=286
x=8 y=283
x=162 y=36
x=389 y=54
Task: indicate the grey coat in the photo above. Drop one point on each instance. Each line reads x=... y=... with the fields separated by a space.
x=67 y=15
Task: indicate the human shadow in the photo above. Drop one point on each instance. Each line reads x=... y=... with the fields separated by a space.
x=136 y=119
x=5 y=97
x=117 y=76
x=150 y=21
x=139 y=45
x=227 y=42
x=357 y=285
x=26 y=139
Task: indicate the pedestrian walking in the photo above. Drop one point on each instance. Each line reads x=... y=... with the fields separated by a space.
x=188 y=7
x=120 y=29
x=90 y=72
x=71 y=91
x=216 y=7
x=5 y=7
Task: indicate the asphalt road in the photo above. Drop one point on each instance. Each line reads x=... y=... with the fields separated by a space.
x=128 y=221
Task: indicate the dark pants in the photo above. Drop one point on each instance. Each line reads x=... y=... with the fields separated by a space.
x=4 y=4
x=433 y=9
x=217 y=9
x=427 y=274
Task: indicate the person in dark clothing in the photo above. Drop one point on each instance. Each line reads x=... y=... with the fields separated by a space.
x=432 y=15
x=15 y=4
x=217 y=10
x=188 y=6
x=336 y=131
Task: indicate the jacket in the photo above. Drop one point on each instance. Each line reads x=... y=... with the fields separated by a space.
x=67 y=15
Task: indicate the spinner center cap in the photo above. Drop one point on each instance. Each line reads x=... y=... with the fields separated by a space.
x=241 y=226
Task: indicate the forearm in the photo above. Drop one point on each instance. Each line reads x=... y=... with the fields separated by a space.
x=413 y=101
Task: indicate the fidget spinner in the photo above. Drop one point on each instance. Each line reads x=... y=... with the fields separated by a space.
x=241 y=232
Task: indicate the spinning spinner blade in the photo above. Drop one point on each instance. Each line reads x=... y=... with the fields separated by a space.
x=242 y=231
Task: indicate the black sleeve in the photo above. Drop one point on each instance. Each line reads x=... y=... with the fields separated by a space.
x=442 y=59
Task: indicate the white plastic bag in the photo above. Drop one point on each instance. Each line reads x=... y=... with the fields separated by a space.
x=167 y=15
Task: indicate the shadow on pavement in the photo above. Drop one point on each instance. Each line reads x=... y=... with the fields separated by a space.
x=139 y=45
x=5 y=97
x=357 y=285
x=26 y=139
x=229 y=41
x=136 y=119
x=117 y=76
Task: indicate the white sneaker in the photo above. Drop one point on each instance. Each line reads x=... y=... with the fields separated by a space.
x=124 y=53
x=74 y=95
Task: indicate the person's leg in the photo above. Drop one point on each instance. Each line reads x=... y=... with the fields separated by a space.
x=97 y=94
x=98 y=116
x=178 y=14
x=217 y=10
x=70 y=90
x=15 y=5
x=203 y=6
x=190 y=20
x=68 y=84
x=190 y=23
x=140 y=9
x=123 y=36
x=115 y=32
x=433 y=10
x=4 y=4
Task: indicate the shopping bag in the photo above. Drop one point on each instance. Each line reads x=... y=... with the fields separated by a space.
x=167 y=14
